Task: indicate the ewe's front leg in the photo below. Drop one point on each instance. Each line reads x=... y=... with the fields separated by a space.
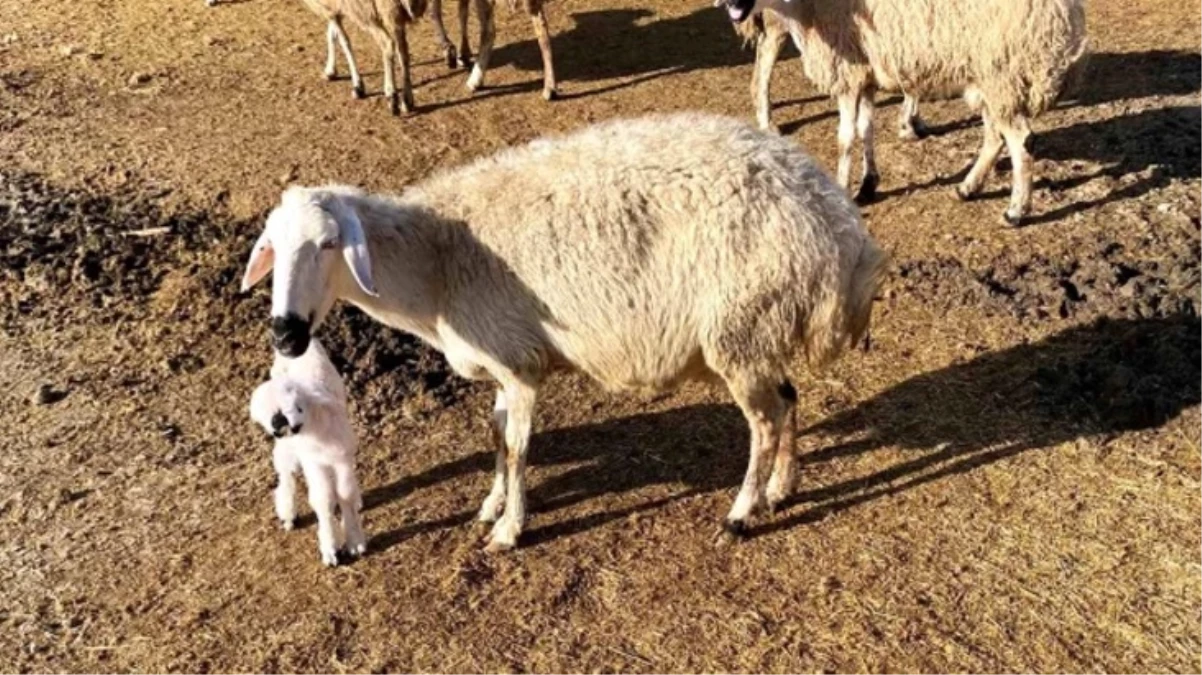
x=344 y=42
x=490 y=511
x=520 y=398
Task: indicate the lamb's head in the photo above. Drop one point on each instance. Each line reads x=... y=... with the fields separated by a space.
x=279 y=407
x=306 y=240
x=741 y=10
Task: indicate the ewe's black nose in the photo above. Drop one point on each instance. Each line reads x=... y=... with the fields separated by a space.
x=290 y=334
x=296 y=428
x=279 y=425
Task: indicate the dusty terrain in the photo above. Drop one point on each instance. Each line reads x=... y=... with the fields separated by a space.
x=1007 y=481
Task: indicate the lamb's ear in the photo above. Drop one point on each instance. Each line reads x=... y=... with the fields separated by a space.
x=354 y=243
x=262 y=258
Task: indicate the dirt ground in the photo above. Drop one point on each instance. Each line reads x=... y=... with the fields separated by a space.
x=1008 y=480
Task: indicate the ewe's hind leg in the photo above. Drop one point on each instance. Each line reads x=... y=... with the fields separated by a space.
x=538 y=16
x=285 y=489
x=440 y=33
x=910 y=126
x=491 y=509
x=331 y=69
x=520 y=397
x=322 y=498
x=870 y=178
x=780 y=485
x=1016 y=133
x=765 y=409
x=488 y=32
x=991 y=146
x=847 y=104
x=345 y=43
x=465 y=49
x=766 y=53
x=346 y=486
x=402 y=41
x=388 y=51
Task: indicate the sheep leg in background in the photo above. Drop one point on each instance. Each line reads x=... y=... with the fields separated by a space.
x=910 y=126
x=765 y=408
x=440 y=33
x=402 y=41
x=991 y=147
x=322 y=499
x=767 y=51
x=1016 y=133
x=346 y=487
x=335 y=32
x=780 y=485
x=847 y=104
x=488 y=32
x=490 y=510
x=864 y=130
x=538 y=16
x=388 y=50
x=520 y=397
x=285 y=489
x=465 y=49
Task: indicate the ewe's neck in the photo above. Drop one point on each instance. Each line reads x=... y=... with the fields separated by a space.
x=406 y=262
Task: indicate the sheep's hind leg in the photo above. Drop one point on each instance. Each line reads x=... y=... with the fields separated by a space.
x=991 y=147
x=538 y=16
x=346 y=486
x=781 y=484
x=910 y=126
x=344 y=42
x=491 y=509
x=440 y=33
x=488 y=32
x=402 y=41
x=846 y=137
x=864 y=129
x=765 y=408
x=465 y=49
x=1017 y=134
x=520 y=397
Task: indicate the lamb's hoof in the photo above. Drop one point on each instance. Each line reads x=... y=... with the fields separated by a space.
x=550 y=94
x=465 y=60
x=739 y=529
x=287 y=524
x=1012 y=219
x=394 y=105
x=407 y=104
x=964 y=194
x=867 y=192
x=329 y=558
x=475 y=80
x=330 y=75
x=452 y=59
x=497 y=546
x=504 y=537
x=358 y=91
x=356 y=550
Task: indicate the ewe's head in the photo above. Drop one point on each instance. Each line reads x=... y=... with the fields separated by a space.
x=279 y=406
x=309 y=240
x=740 y=10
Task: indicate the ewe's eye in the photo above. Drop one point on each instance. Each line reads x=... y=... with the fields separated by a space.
x=329 y=244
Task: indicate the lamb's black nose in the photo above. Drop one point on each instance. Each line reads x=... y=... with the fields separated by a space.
x=279 y=425
x=290 y=334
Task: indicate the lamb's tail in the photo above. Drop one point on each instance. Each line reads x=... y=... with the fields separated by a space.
x=842 y=321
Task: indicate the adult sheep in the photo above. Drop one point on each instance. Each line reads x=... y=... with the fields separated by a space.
x=642 y=252
x=1009 y=58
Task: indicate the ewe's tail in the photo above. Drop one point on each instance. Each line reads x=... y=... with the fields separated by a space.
x=843 y=320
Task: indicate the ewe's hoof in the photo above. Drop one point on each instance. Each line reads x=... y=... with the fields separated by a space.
x=330 y=75
x=356 y=550
x=475 y=80
x=964 y=194
x=550 y=95
x=465 y=60
x=452 y=59
x=407 y=104
x=1012 y=219
x=358 y=91
x=394 y=105
x=867 y=191
x=498 y=546
x=329 y=558
x=287 y=525
x=738 y=529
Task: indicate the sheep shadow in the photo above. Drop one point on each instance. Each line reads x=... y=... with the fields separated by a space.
x=1108 y=377
x=619 y=44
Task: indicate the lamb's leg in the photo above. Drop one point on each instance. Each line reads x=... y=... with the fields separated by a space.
x=780 y=485
x=991 y=147
x=1016 y=133
x=538 y=16
x=490 y=511
x=520 y=397
x=765 y=409
x=864 y=130
x=402 y=40
x=910 y=126
x=488 y=30
x=847 y=104
x=346 y=486
x=465 y=48
x=322 y=499
x=285 y=489
x=440 y=33
x=767 y=51
x=345 y=43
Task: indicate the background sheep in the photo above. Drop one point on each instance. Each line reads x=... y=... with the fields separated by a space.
x=1010 y=60
x=767 y=32
x=642 y=252
x=462 y=56
x=306 y=413
x=385 y=21
x=488 y=32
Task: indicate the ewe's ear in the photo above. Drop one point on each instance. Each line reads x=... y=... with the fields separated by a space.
x=262 y=258
x=354 y=243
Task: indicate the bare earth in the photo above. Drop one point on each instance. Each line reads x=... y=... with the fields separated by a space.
x=1008 y=480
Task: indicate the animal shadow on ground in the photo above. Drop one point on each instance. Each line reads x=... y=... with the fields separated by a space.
x=1107 y=377
x=613 y=44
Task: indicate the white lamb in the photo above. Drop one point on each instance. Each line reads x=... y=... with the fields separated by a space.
x=304 y=408
x=1010 y=59
x=643 y=252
